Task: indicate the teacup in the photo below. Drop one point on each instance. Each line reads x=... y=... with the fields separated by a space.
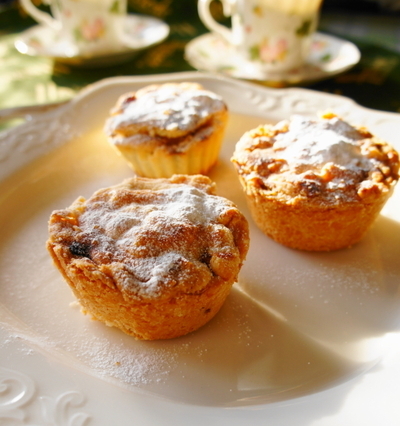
x=274 y=34
x=87 y=26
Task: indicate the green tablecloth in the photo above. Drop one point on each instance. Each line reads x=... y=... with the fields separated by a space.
x=374 y=82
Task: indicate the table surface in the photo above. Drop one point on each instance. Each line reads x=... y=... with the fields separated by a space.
x=374 y=82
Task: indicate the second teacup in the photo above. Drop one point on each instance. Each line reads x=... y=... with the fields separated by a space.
x=276 y=35
x=89 y=27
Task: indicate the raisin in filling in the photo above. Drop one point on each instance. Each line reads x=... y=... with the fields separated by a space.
x=80 y=249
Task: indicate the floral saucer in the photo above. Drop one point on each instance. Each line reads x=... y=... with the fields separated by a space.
x=329 y=56
x=139 y=32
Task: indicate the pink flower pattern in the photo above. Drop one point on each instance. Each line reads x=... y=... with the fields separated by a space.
x=92 y=30
x=276 y=50
x=270 y=52
x=273 y=52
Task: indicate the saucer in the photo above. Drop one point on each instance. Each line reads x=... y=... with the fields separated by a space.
x=328 y=56
x=139 y=32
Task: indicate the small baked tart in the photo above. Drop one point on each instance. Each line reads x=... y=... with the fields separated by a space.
x=166 y=129
x=155 y=258
x=315 y=184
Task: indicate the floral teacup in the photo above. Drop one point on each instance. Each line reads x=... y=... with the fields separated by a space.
x=89 y=27
x=275 y=34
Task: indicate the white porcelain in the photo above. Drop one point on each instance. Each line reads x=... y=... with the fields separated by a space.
x=328 y=56
x=275 y=35
x=304 y=339
x=137 y=32
x=91 y=26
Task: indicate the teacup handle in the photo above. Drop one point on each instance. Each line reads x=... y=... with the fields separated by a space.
x=203 y=7
x=39 y=16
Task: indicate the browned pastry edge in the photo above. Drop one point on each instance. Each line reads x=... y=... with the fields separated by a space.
x=312 y=227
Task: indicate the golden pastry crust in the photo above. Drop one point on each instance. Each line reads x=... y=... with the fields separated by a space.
x=154 y=257
x=315 y=185
x=165 y=129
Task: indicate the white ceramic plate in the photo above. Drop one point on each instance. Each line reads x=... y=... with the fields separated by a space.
x=329 y=56
x=304 y=339
x=139 y=32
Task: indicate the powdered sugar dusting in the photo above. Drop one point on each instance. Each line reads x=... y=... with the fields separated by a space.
x=185 y=203
x=316 y=143
x=136 y=366
x=170 y=107
x=152 y=235
x=326 y=160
